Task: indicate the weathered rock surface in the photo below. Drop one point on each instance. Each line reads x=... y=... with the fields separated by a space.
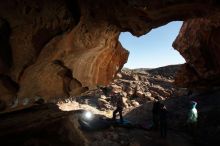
x=198 y=42
x=59 y=48
x=148 y=85
x=54 y=48
x=55 y=55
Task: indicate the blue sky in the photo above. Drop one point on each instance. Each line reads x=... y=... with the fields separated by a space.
x=153 y=49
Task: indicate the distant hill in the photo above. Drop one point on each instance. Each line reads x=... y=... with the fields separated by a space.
x=165 y=71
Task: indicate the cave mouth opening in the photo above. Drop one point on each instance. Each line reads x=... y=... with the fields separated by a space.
x=153 y=49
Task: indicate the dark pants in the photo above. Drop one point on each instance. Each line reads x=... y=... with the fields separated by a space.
x=155 y=121
x=191 y=128
x=163 y=128
x=118 y=110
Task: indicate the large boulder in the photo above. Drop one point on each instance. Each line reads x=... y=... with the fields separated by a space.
x=198 y=43
x=161 y=91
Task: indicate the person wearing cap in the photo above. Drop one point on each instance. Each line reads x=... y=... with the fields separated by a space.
x=119 y=107
x=192 y=117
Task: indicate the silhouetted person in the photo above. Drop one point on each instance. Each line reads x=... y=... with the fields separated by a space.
x=192 y=118
x=163 y=120
x=119 y=108
x=155 y=113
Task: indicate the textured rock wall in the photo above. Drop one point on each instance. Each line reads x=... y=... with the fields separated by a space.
x=60 y=48
x=198 y=43
x=54 y=51
x=26 y=27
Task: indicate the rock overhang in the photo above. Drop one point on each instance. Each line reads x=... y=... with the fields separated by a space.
x=82 y=36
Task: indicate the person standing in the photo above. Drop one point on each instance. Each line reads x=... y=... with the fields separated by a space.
x=163 y=120
x=192 y=118
x=155 y=113
x=119 y=107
